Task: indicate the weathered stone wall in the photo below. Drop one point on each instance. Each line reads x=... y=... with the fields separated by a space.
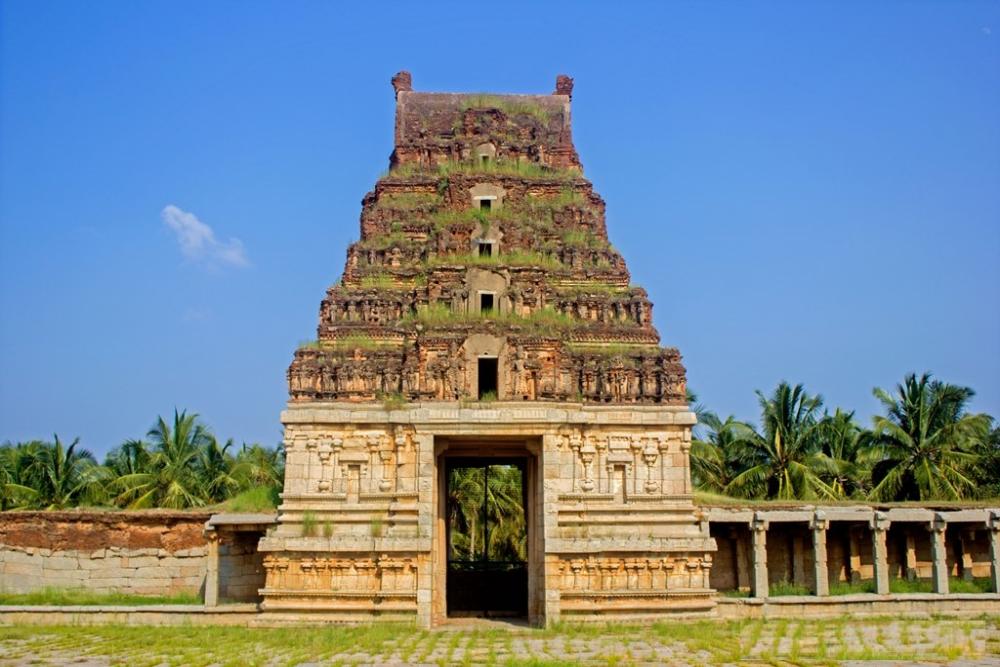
x=142 y=553
x=241 y=567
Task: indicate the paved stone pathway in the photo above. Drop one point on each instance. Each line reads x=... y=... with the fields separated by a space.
x=882 y=643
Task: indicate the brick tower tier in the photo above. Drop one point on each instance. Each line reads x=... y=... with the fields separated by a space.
x=483 y=313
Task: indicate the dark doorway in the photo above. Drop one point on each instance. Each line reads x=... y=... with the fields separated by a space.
x=485 y=204
x=485 y=249
x=485 y=303
x=488 y=378
x=487 y=537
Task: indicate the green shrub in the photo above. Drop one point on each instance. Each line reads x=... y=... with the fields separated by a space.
x=852 y=588
x=780 y=588
x=511 y=106
x=256 y=499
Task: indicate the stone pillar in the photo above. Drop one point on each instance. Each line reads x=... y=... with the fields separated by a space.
x=819 y=526
x=993 y=528
x=798 y=560
x=546 y=508
x=968 y=540
x=212 y=569
x=854 y=554
x=911 y=555
x=880 y=559
x=758 y=528
x=431 y=569
x=742 y=576
x=939 y=553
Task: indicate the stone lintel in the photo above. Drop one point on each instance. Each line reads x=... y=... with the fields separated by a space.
x=910 y=514
x=242 y=522
x=967 y=516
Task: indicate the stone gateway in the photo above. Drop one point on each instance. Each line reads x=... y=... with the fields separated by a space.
x=487 y=423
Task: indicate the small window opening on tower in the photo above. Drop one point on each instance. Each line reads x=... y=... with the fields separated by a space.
x=485 y=204
x=485 y=302
x=485 y=249
x=487 y=378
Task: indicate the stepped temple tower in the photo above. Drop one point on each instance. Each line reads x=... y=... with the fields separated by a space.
x=486 y=423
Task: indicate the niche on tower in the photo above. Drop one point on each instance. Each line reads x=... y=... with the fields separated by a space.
x=485 y=240
x=486 y=357
x=487 y=292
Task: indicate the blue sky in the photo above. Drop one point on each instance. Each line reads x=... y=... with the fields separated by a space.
x=809 y=191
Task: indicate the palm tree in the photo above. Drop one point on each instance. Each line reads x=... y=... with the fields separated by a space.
x=171 y=478
x=13 y=494
x=841 y=443
x=466 y=487
x=923 y=447
x=783 y=461
x=215 y=468
x=63 y=476
x=257 y=465
x=499 y=532
x=131 y=457
x=507 y=538
x=713 y=461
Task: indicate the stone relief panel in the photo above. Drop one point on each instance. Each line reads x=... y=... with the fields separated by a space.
x=625 y=575
x=343 y=574
x=351 y=465
x=623 y=466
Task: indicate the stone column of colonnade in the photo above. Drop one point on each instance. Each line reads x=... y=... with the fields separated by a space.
x=819 y=524
x=939 y=567
x=880 y=557
x=993 y=529
x=758 y=529
x=212 y=569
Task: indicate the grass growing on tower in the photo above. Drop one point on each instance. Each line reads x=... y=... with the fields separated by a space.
x=511 y=106
x=308 y=524
x=516 y=168
x=513 y=258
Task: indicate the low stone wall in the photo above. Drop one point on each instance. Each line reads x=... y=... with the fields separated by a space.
x=139 y=553
x=858 y=606
x=142 y=553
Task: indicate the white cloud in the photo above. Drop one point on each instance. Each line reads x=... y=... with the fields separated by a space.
x=198 y=242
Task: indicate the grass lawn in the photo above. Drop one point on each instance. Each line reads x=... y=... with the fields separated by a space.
x=692 y=642
x=76 y=596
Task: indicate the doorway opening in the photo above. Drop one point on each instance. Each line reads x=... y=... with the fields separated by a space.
x=487 y=537
x=485 y=204
x=485 y=249
x=486 y=301
x=487 y=378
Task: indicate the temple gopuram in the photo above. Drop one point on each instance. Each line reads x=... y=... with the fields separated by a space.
x=486 y=423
